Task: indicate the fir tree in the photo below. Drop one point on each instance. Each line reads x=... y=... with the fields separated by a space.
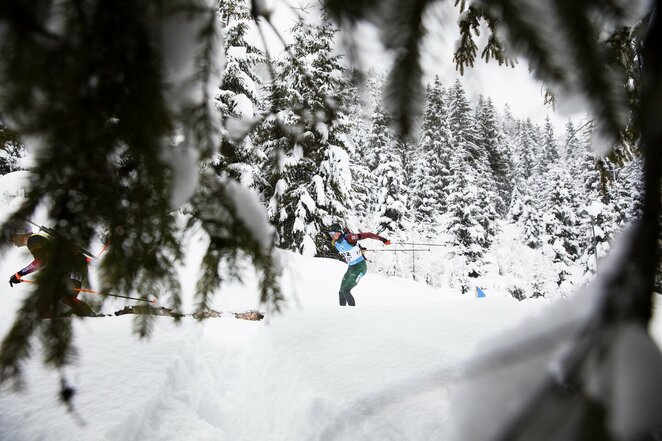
x=238 y=96
x=470 y=239
x=526 y=150
x=391 y=202
x=525 y=211
x=550 y=150
x=11 y=150
x=105 y=91
x=432 y=173
x=363 y=180
x=560 y=218
x=308 y=167
x=491 y=140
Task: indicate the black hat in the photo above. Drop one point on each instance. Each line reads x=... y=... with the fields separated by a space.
x=334 y=228
x=16 y=227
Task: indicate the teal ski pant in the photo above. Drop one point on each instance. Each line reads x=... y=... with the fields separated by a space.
x=350 y=280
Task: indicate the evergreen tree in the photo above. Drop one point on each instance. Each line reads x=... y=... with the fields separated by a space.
x=363 y=180
x=471 y=159
x=561 y=233
x=464 y=129
x=510 y=123
x=11 y=150
x=491 y=140
x=432 y=173
x=525 y=211
x=626 y=192
x=391 y=203
x=238 y=96
x=526 y=150
x=550 y=151
x=470 y=239
x=308 y=167
x=104 y=87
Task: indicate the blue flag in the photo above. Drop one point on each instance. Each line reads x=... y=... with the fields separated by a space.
x=480 y=293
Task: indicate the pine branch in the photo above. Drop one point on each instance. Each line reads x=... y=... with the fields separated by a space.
x=402 y=33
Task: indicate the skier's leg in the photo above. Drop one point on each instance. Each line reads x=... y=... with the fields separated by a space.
x=350 y=299
x=345 y=286
x=353 y=275
x=77 y=306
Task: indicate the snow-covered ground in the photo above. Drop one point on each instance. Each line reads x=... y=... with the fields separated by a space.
x=381 y=370
x=384 y=370
x=388 y=369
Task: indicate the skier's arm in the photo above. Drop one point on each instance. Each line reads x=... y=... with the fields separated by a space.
x=32 y=267
x=353 y=238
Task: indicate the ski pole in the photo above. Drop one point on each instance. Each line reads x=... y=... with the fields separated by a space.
x=113 y=295
x=105 y=247
x=403 y=249
x=91 y=291
x=420 y=244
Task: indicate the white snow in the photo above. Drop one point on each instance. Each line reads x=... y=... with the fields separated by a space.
x=317 y=371
x=383 y=370
x=251 y=212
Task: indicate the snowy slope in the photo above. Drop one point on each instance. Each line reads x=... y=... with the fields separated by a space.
x=317 y=371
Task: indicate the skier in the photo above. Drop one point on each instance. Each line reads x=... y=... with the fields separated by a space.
x=38 y=246
x=347 y=245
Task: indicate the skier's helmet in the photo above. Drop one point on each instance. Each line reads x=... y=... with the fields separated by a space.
x=15 y=228
x=333 y=229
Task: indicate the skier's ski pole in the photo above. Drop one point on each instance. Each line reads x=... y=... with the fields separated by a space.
x=420 y=244
x=401 y=249
x=113 y=295
x=91 y=291
x=105 y=247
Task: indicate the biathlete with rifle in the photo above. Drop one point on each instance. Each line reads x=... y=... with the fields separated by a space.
x=38 y=246
x=347 y=245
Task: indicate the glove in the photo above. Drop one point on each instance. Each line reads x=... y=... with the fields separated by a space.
x=16 y=278
x=386 y=242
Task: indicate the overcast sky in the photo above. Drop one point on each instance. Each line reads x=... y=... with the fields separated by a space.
x=503 y=84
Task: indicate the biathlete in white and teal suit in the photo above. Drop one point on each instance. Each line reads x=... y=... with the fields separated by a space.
x=348 y=247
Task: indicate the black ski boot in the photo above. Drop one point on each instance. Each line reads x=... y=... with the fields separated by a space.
x=343 y=300
x=350 y=299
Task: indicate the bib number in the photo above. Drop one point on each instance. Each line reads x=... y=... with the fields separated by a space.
x=352 y=254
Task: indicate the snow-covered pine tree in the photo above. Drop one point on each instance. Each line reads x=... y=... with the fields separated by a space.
x=491 y=139
x=509 y=123
x=104 y=92
x=463 y=221
x=430 y=188
x=238 y=96
x=364 y=181
x=391 y=193
x=526 y=150
x=561 y=238
x=466 y=148
x=11 y=150
x=550 y=150
x=597 y=216
x=572 y=148
x=307 y=171
x=530 y=217
x=626 y=192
